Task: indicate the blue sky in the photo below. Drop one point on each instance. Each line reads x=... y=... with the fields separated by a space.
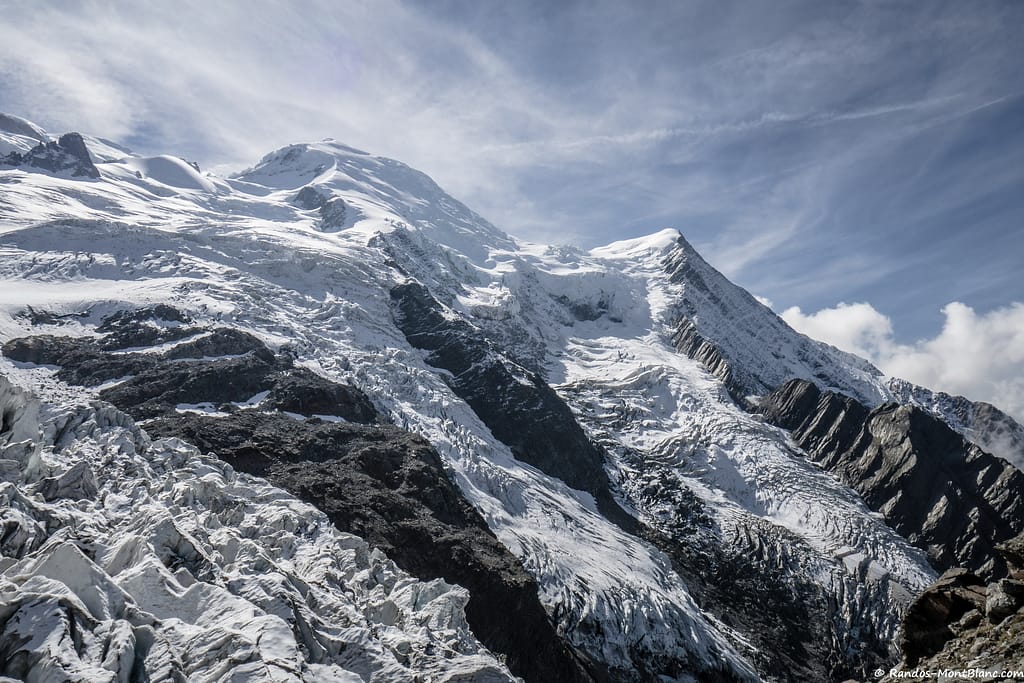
x=816 y=152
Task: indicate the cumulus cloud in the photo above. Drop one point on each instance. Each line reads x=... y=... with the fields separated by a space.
x=980 y=356
x=857 y=328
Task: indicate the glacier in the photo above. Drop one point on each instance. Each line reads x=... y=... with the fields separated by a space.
x=656 y=355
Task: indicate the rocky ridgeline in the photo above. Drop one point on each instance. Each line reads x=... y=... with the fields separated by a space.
x=743 y=343
x=224 y=391
x=940 y=492
x=987 y=426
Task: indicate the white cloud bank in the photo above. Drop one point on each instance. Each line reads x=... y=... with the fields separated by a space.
x=980 y=356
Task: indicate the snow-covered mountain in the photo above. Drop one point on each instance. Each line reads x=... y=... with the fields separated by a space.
x=606 y=469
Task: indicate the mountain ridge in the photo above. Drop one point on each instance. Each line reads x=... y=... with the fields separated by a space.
x=652 y=356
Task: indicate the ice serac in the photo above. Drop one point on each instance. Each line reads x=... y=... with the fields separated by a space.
x=175 y=567
x=564 y=433
x=941 y=492
x=325 y=443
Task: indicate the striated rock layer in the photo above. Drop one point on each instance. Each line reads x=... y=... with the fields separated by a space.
x=942 y=493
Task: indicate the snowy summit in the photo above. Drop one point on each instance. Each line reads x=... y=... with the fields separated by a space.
x=319 y=421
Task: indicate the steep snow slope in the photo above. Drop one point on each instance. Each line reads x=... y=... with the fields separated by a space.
x=305 y=250
x=19 y=135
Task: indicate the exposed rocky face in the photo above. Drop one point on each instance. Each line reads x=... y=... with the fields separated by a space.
x=939 y=491
x=515 y=403
x=371 y=479
x=215 y=367
x=689 y=341
x=331 y=209
x=68 y=155
x=985 y=425
x=959 y=622
x=551 y=388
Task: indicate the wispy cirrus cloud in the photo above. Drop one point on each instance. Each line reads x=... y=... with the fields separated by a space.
x=814 y=151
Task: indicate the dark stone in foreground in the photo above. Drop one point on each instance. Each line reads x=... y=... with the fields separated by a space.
x=960 y=622
x=926 y=626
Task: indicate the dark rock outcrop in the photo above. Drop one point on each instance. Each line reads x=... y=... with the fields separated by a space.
x=43 y=317
x=332 y=210
x=223 y=341
x=961 y=623
x=299 y=390
x=389 y=487
x=225 y=366
x=144 y=327
x=938 y=491
x=687 y=340
x=585 y=310
x=67 y=155
x=310 y=197
x=160 y=388
x=929 y=622
x=372 y=479
x=519 y=408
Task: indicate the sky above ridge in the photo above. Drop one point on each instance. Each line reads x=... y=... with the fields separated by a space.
x=869 y=154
